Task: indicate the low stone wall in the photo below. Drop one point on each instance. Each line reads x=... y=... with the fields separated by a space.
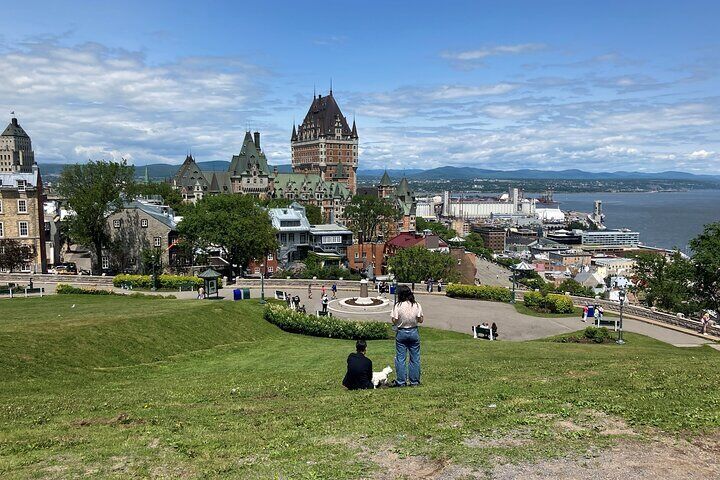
x=642 y=312
x=24 y=278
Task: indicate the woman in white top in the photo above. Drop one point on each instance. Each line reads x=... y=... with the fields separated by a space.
x=406 y=315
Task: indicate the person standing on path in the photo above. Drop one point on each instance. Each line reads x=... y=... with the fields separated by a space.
x=325 y=302
x=309 y=290
x=323 y=290
x=704 y=323
x=334 y=291
x=585 y=313
x=405 y=316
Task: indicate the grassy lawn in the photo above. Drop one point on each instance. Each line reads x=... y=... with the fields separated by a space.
x=136 y=388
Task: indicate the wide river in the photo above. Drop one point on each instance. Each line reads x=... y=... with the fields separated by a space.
x=664 y=219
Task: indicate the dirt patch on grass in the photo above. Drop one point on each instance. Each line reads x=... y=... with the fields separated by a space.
x=665 y=458
x=122 y=419
x=596 y=422
x=512 y=439
x=393 y=466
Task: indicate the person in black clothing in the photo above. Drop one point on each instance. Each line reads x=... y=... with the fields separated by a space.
x=359 y=369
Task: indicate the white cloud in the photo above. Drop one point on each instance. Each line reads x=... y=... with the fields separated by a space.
x=489 y=51
x=701 y=154
x=90 y=101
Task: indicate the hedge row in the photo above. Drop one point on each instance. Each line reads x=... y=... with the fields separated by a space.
x=173 y=282
x=64 y=289
x=552 y=303
x=330 y=327
x=479 y=292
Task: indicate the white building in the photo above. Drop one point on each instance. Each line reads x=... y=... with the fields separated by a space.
x=610 y=239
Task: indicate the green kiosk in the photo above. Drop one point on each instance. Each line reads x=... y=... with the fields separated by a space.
x=210 y=277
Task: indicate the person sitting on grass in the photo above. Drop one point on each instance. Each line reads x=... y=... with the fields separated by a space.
x=359 y=369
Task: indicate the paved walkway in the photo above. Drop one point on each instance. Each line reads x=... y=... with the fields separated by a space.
x=489 y=273
x=459 y=315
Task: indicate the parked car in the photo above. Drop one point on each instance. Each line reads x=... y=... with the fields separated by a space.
x=66 y=268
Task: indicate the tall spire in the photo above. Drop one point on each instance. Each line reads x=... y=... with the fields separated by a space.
x=294 y=133
x=331 y=86
x=354 y=133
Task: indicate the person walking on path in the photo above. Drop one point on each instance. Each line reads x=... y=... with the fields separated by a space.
x=440 y=285
x=585 y=313
x=323 y=289
x=406 y=315
x=334 y=291
x=309 y=290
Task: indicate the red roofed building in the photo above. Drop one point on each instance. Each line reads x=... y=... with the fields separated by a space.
x=413 y=239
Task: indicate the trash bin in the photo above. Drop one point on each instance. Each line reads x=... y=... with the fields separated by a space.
x=245 y=293
x=392 y=289
x=237 y=294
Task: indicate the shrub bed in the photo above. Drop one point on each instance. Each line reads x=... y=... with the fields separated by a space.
x=550 y=303
x=329 y=327
x=171 y=282
x=589 y=335
x=64 y=289
x=479 y=292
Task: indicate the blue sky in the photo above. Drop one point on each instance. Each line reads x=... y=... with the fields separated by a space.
x=593 y=85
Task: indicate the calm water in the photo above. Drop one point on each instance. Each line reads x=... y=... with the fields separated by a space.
x=664 y=219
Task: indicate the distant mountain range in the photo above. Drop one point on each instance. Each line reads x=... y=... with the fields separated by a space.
x=158 y=171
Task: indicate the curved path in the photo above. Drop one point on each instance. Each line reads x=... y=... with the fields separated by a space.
x=459 y=315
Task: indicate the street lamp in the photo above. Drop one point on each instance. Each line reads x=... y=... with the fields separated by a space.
x=155 y=258
x=514 y=272
x=621 y=294
x=395 y=285
x=263 y=268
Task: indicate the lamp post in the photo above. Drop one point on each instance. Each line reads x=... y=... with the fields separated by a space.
x=155 y=256
x=514 y=272
x=620 y=340
x=395 y=285
x=263 y=268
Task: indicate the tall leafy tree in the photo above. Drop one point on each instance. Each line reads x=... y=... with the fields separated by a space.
x=170 y=196
x=665 y=282
x=95 y=190
x=416 y=264
x=235 y=224
x=438 y=228
x=369 y=216
x=14 y=254
x=706 y=266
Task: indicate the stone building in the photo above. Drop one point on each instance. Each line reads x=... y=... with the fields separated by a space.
x=22 y=214
x=16 y=153
x=325 y=145
x=140 y=226
x=249 y=173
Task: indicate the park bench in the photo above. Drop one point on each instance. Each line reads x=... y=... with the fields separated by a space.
x=483 y=331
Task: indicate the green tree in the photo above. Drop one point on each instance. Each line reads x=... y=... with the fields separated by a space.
x=706 y=266
x=438 y=228
x=475 y=244
x=369 y=217
x=93 y=191
x=416 y=264
x=575 y=288
x=14 y=254
x=314 y=214
x=235 y=224
x=170 y=196
x=665 y=281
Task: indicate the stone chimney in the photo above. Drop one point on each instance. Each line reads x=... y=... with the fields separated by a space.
x=257 y=140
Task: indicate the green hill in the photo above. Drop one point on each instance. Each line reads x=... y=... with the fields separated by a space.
x=136 y=388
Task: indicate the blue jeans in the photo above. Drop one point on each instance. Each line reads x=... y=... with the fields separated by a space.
x=407 y=339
